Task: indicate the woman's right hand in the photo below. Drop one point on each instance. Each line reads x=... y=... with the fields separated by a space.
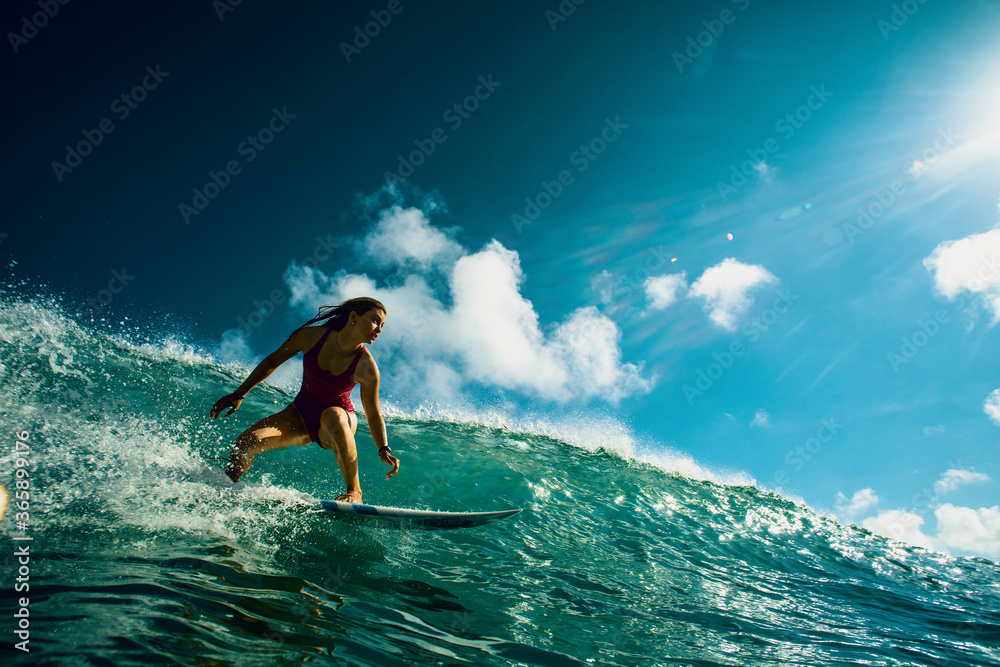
x=232 y=401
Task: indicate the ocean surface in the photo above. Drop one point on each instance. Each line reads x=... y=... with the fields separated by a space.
x=142 y=551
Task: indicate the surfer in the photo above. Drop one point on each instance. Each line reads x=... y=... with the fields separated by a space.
x=335 y=361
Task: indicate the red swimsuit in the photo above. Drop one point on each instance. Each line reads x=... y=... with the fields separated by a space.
x=322 y=389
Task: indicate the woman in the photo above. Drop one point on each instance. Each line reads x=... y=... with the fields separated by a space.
x=335 y=360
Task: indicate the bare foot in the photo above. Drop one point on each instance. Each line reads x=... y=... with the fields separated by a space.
x=350 y=497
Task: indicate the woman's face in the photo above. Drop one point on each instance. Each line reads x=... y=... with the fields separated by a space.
x=370 y=324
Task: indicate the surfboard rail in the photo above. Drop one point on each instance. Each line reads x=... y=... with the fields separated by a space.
x=405 y=518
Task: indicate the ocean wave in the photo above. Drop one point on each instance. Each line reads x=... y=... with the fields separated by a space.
x=626 y=552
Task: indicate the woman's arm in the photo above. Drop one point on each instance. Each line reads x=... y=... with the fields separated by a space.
x=373 y=412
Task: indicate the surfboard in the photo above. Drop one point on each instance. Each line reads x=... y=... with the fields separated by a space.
x=399 y=517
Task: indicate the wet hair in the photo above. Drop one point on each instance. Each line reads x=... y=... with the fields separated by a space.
x=336 y=316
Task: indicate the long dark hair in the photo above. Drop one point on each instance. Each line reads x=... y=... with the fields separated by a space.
x=336 y=316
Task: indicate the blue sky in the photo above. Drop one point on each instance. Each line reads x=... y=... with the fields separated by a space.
x=759 y=235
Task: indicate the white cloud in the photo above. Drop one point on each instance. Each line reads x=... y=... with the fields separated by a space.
x=955 y=479
x=967 y=529
x=969 y=264
x=495 y=329
x=587 y=346
x=992 y=406
x=930 y=431
x=860 y=502
x=497 y=334
x=664 y=291
x=901 y=526
x=725 y=288
x=761 y=419
x=404 y=237
x=490 y=334
x=960 y=528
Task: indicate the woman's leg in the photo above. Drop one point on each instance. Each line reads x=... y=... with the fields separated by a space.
x=282 y=429
x=336 y=431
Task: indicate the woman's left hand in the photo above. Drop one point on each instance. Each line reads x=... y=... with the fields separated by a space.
x=391 y=460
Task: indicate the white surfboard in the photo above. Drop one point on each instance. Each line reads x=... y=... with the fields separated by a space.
x=399 y=517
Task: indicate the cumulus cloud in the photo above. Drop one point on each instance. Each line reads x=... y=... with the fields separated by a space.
x=975 y=531
x=664 y=291
x=952 y=480
x=971 y=264
x=404 y=237
x=726 y=289
x=476 y=329
x=901 y=526
x=992 y=406
x=495 y=329
x=860 y=502
x=761 y=419
x=967 y=529
x=586 y=345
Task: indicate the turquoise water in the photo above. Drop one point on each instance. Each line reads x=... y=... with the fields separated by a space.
x=143 y=552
